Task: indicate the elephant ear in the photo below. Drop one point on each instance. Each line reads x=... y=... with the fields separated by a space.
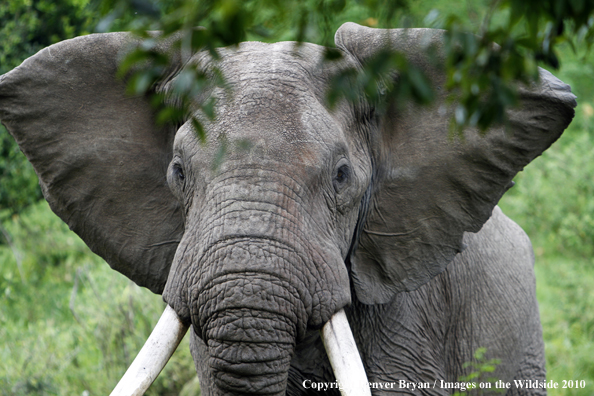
x=100 y=158
x=431 y=188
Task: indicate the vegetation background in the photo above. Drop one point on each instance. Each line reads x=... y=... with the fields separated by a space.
x=70 y=326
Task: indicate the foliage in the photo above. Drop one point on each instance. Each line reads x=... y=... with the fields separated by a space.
x=528 y=33
x=26 y=27
x=481 y=76
x=564 y=292
x=568 y=228
x=70 y=324
x=552 y=202
x=552 y=198
x=480 y=367
x=18 y=181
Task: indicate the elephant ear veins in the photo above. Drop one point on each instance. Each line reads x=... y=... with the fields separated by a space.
x=100 y=158
x=431 y=188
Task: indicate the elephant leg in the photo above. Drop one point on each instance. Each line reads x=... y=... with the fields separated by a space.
x=494 y=306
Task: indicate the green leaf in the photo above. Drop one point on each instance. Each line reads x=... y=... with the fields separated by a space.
x=199 y=130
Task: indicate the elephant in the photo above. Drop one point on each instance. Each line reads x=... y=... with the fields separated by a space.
x=367 y=208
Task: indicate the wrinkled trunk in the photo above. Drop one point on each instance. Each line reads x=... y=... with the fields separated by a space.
x=250 y=319
x=253 y=359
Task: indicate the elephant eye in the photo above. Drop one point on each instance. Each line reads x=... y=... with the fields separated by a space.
x=178 y=172
x=341 y=178
x=176 y=178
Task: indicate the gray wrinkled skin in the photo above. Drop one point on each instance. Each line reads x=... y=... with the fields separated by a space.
x=428 y=334
x=311 y=210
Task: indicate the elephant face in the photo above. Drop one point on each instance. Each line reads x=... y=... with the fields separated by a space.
x=258 y=248
x=267 y=232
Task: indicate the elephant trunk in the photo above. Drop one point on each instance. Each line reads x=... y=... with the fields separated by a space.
x=250 y=324
x=249 y=363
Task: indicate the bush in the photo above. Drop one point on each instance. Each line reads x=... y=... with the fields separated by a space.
x=552 y=198
x=68 y=323
x=25 y=28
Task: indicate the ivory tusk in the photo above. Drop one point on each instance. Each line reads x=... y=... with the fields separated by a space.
x=344 y=356
x=153 y=356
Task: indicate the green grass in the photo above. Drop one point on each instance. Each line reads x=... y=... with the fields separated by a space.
x=70 y=325
x=564 y=290
x=552 y=201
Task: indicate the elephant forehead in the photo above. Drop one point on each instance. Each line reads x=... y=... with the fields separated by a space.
x=285 y=59
x=275 y=104
x=280 y=115
x=282 y=141
x=277 y=122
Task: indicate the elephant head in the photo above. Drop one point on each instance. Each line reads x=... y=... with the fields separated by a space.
x=325 y=206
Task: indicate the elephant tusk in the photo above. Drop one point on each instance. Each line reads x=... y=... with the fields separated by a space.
x=153 y=356
x=344 y=357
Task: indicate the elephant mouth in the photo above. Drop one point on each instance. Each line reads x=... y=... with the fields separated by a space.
x=170 y=330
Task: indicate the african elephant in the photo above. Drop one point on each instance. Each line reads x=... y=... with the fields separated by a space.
x=377 y=211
